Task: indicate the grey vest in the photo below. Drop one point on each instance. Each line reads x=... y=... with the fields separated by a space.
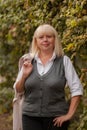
x=44 y=95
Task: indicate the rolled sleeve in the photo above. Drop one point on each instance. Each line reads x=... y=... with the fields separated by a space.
x=72 y=78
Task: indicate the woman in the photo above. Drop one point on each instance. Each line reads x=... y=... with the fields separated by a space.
x=43 y=79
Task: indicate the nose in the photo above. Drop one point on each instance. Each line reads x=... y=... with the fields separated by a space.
x=45 y=38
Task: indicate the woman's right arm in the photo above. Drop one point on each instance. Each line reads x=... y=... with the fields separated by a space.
x=19 y=85
x=24 y=73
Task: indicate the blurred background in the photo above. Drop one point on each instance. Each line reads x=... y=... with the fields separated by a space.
x=18 y=21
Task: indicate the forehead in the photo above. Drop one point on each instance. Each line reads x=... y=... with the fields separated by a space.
x=44 y=30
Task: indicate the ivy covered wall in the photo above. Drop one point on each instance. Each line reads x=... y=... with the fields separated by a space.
x=18 y=21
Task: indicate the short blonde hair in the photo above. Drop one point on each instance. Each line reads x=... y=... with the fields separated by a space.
x=46 y=29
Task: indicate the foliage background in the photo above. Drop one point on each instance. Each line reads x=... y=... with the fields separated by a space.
x=18 y=21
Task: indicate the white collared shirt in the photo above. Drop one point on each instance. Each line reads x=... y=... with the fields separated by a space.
x=42 y=69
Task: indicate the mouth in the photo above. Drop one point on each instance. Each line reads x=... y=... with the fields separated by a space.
x=45 y=44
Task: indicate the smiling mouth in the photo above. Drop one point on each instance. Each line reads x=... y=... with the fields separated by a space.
x=45 y=44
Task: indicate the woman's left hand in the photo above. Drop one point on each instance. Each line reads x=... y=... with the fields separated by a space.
x=72 y=109
x=60 y=120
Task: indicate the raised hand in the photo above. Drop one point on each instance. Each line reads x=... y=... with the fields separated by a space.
x=26 y=68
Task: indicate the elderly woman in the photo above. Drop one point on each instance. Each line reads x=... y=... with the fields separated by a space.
x=42 y=79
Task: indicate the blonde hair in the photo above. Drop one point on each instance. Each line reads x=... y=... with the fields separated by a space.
x=46 y=29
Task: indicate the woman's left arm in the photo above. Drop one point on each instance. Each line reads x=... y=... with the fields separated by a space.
x=72 y=109
x=76 y=91
x=73 y=105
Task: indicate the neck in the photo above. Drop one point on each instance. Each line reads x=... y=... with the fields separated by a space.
x=45 y=56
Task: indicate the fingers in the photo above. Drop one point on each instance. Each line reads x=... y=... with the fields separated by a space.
x=27 y=68
x=58 y=121
x=28 y=60
x=27 y=63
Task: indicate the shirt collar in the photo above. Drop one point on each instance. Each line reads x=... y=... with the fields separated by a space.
x=51 y=59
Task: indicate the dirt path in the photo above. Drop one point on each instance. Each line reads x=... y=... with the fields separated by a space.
x=5 y=122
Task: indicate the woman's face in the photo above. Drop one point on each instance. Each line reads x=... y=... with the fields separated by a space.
x=45 y=42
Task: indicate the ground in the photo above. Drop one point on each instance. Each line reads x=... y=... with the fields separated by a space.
x=5 y=122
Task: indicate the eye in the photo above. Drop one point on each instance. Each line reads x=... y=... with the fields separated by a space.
x=40 y=37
